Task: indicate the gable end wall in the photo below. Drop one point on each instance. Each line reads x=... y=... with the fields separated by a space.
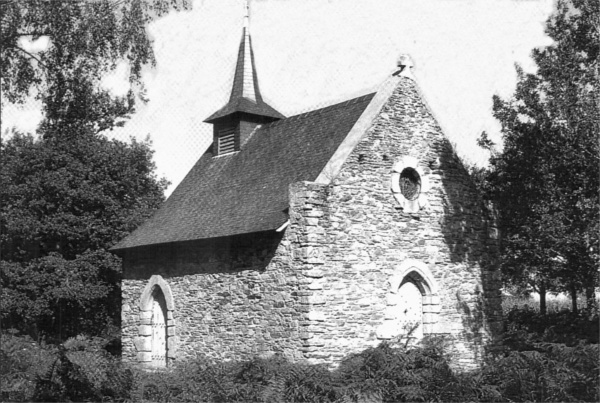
x=357 y=238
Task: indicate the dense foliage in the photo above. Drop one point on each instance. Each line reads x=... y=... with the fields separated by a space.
x=65 y=201
x=528 y=369
x=86 y=41
x=69 y=193
x=545 y=180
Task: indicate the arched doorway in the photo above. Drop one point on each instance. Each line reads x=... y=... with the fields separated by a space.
x=157 y=341
x=410 y=310
x=158 y=323
x=412 y=304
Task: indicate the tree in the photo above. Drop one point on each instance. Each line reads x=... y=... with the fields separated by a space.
x=545 y=181
x=65 y=201
x=68 y=194
x=87 y=40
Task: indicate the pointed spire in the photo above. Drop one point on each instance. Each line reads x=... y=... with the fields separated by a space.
x=245 y=93
x=248 y=72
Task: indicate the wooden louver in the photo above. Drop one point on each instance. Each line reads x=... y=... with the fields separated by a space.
x=226 y=141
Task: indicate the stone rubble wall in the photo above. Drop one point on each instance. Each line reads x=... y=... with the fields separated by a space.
x=321 y=289
x=232 y=299
x=354 y=236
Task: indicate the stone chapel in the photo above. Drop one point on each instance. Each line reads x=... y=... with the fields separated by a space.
x=314 y=236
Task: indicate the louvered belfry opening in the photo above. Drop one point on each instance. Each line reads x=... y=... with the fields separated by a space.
x=226 y=140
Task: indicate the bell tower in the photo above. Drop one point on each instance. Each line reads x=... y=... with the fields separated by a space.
x=234 y=122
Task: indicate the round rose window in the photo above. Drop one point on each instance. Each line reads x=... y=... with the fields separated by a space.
x=410 y=184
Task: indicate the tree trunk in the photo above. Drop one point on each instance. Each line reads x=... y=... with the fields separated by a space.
x=590 y=299
x=542 y=292
x=574 y=299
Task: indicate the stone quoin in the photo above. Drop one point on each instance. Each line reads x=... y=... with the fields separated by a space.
x=314 y=236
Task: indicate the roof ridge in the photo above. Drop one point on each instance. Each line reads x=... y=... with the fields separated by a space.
x=321 y=110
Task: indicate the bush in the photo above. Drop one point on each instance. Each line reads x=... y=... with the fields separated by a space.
x=532 y=367
x=21 y=361
x=556 y=327
x=383 y=373
x=78 y=370
x=552 y=372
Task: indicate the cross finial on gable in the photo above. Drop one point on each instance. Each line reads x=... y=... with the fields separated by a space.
x=405 y=63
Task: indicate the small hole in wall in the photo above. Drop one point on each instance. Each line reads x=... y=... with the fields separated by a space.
x=386 y=158
x=361 y=157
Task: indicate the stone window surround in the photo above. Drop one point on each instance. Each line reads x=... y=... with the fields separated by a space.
x=143 y=341
x=421 y=202
x=419 y=274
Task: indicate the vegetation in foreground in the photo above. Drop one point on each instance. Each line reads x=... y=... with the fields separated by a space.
x=545 y=358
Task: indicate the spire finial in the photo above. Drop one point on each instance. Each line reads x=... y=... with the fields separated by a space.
x=246 y=15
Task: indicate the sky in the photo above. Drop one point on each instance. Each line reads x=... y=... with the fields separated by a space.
x=314 y=53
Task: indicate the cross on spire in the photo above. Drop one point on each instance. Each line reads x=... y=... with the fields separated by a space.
x=246 y=14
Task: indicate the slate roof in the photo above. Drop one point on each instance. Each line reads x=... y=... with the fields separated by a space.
x=237 y=102
x=247 y=191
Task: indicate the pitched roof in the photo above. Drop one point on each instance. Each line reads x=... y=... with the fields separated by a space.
x=247 y=191
x=245 y=92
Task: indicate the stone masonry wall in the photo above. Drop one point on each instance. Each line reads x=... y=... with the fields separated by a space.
x=354 y=236
x=234 y=298
x=321 y=289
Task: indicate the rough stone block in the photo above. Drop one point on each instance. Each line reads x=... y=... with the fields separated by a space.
x=144 y=356
x=144 y=330
x=317 y=300
x=391 y=299
x=314 y=342
x=143 y=343
x=367 y=301
x=315 y=260
x=172 y=344
x=441 y=328
x=431 y=308
x=429 y=317
x=313 y=273
x=315 y=285
x=316 y=316
x=434 y=300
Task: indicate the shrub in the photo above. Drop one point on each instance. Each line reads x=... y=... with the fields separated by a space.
x=21 y=360
x=79 y=370
x=549 y=373
x=556 y=327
